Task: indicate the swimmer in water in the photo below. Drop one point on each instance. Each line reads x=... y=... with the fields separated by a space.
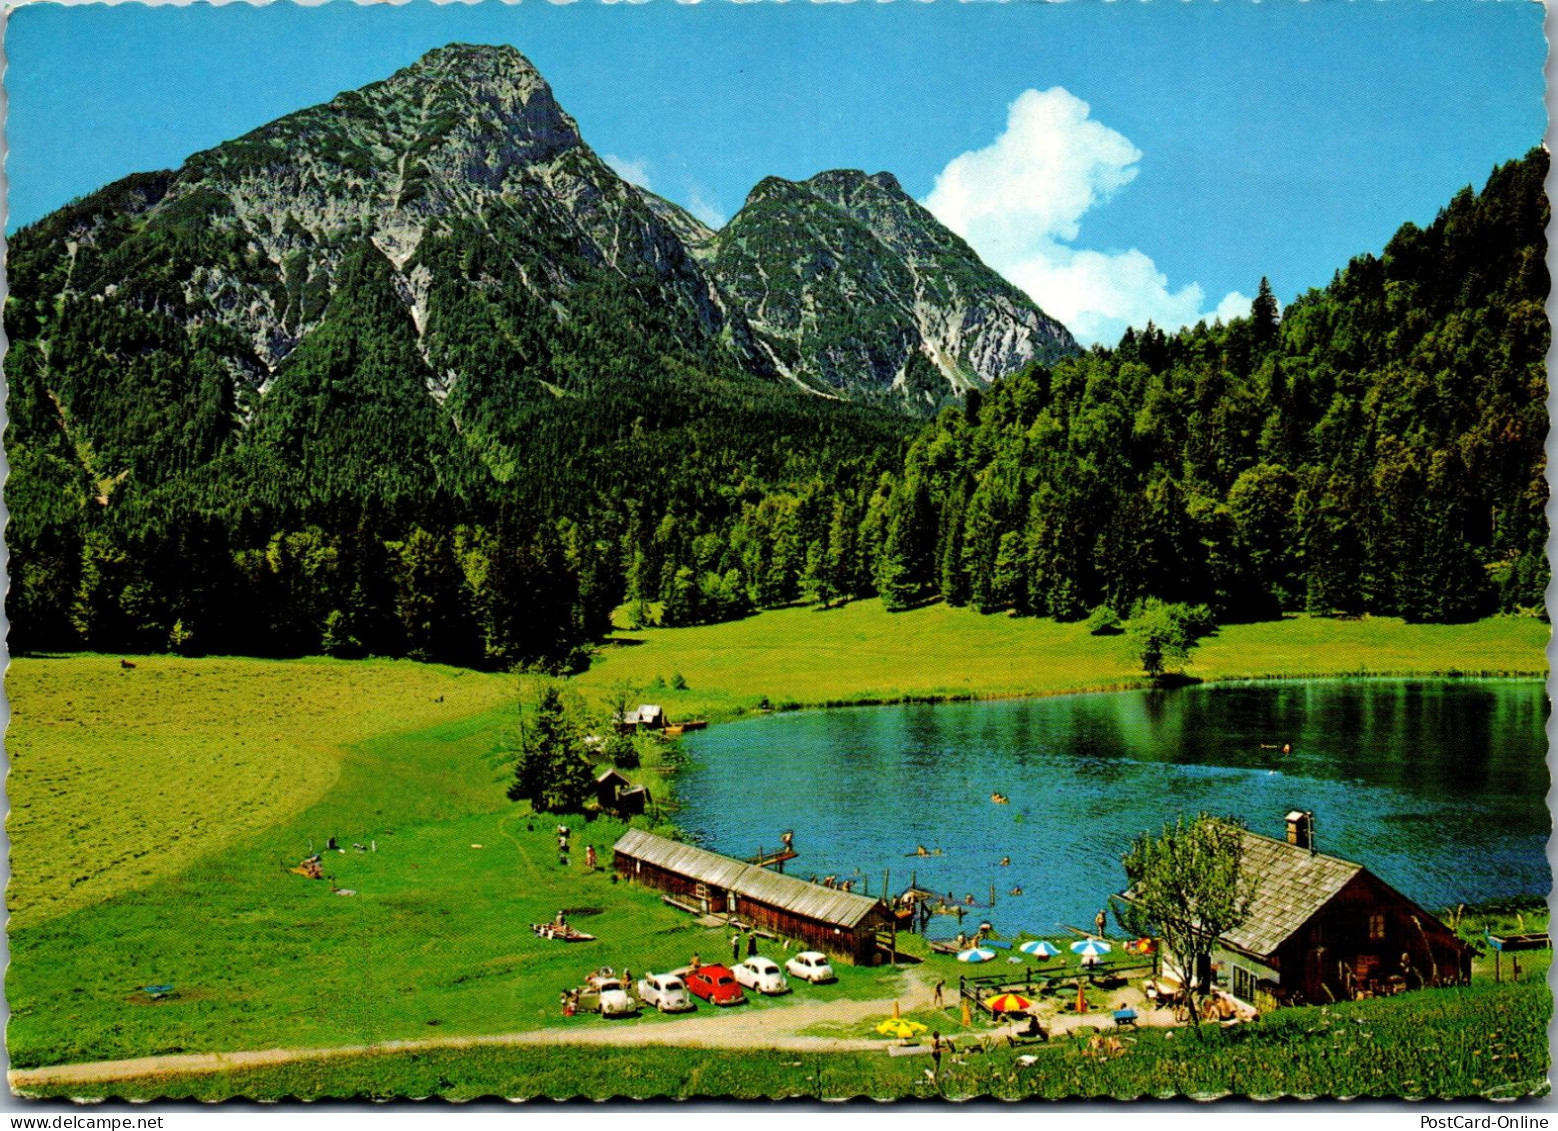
x=1017 y=890
x=1006 y=861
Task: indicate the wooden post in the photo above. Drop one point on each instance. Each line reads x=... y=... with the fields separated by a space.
x=1496 y=953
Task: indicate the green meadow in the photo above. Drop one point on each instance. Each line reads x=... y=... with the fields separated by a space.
x=436 y=940
x=809 y=657
x=156 y=811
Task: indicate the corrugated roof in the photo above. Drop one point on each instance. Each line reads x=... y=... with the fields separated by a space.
x=811 y=901
x=1292 y=884
x=684 y=859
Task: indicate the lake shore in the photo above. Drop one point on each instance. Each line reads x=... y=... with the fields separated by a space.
x=861 y=655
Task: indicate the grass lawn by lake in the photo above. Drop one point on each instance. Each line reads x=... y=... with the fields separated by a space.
x=859 y=653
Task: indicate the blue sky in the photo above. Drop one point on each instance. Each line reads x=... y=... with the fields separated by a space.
x=1118 y=160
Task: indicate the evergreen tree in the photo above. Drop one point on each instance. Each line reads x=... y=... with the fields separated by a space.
x=551 y=772
x=1265 y=314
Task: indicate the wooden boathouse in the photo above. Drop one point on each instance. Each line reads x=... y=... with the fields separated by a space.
x=1322 y=929
x=836 y=922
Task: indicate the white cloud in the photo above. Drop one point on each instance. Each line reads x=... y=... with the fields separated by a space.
x=632 y=169
x=1019 y=202
x=705 y=209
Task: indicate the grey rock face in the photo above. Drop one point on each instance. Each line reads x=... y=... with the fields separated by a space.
x=856 y=288
x=475 y=185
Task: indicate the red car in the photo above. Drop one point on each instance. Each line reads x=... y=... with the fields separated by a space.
x=715 y=984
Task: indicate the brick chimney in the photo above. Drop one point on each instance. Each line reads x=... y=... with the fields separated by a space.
x=1301 y=829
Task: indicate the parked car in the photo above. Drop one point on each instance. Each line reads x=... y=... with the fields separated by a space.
x=810 y=966
x=665 y=992
x=763 y=975
x=715 y=984
x=607 y=996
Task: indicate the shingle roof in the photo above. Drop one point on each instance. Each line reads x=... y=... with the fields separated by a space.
x=810 y=901
x=1292 y=884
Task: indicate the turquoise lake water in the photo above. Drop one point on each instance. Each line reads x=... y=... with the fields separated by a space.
x=1439 y=787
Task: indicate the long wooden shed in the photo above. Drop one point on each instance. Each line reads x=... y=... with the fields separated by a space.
x=839 y=923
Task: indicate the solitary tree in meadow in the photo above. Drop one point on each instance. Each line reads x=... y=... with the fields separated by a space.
x=1188 y=887
x=1163 y=634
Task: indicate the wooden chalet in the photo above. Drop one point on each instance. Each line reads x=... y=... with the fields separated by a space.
x=839 y=923
x=1324 y=929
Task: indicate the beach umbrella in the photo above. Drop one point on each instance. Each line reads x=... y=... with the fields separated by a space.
x=1039 y=948
x=1009 y=1003
x=976 y=954
x=900 y=1028
x=1091 y=948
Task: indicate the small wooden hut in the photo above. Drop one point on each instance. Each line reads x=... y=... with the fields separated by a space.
x=609 y=784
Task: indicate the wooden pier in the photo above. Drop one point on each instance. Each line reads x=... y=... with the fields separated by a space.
x=773 y=859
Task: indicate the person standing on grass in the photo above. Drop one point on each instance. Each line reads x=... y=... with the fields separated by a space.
x=940 y=986
x=752 y=944
x=935 y=1053
x=735 y=948
x=1102 y=921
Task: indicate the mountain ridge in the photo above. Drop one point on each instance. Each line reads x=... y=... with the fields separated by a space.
x=465 y=156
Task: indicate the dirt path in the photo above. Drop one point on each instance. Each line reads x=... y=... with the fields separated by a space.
x=776 y=1028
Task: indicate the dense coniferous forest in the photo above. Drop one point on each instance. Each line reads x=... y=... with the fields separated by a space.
x=1376 y=447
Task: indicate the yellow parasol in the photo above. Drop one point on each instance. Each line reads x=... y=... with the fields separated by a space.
x=1009 y=1003
x=900 y=1027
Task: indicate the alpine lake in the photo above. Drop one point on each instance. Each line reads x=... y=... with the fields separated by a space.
x=1437 y=786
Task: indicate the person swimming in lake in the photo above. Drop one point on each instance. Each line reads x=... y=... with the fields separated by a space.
x=1017 y=890
x=1006 y=861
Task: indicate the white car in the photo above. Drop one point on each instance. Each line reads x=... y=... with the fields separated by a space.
x=608 y=997
x=810 y=966
x=763 y=975
x=665 y=992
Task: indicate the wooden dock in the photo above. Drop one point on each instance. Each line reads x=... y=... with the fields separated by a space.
x=773 y=859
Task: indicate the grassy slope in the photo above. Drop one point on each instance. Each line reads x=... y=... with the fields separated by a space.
x=437 y=939
x=120 y=777
x=1479 y=1040
x=858 y=653
x=436 y=942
